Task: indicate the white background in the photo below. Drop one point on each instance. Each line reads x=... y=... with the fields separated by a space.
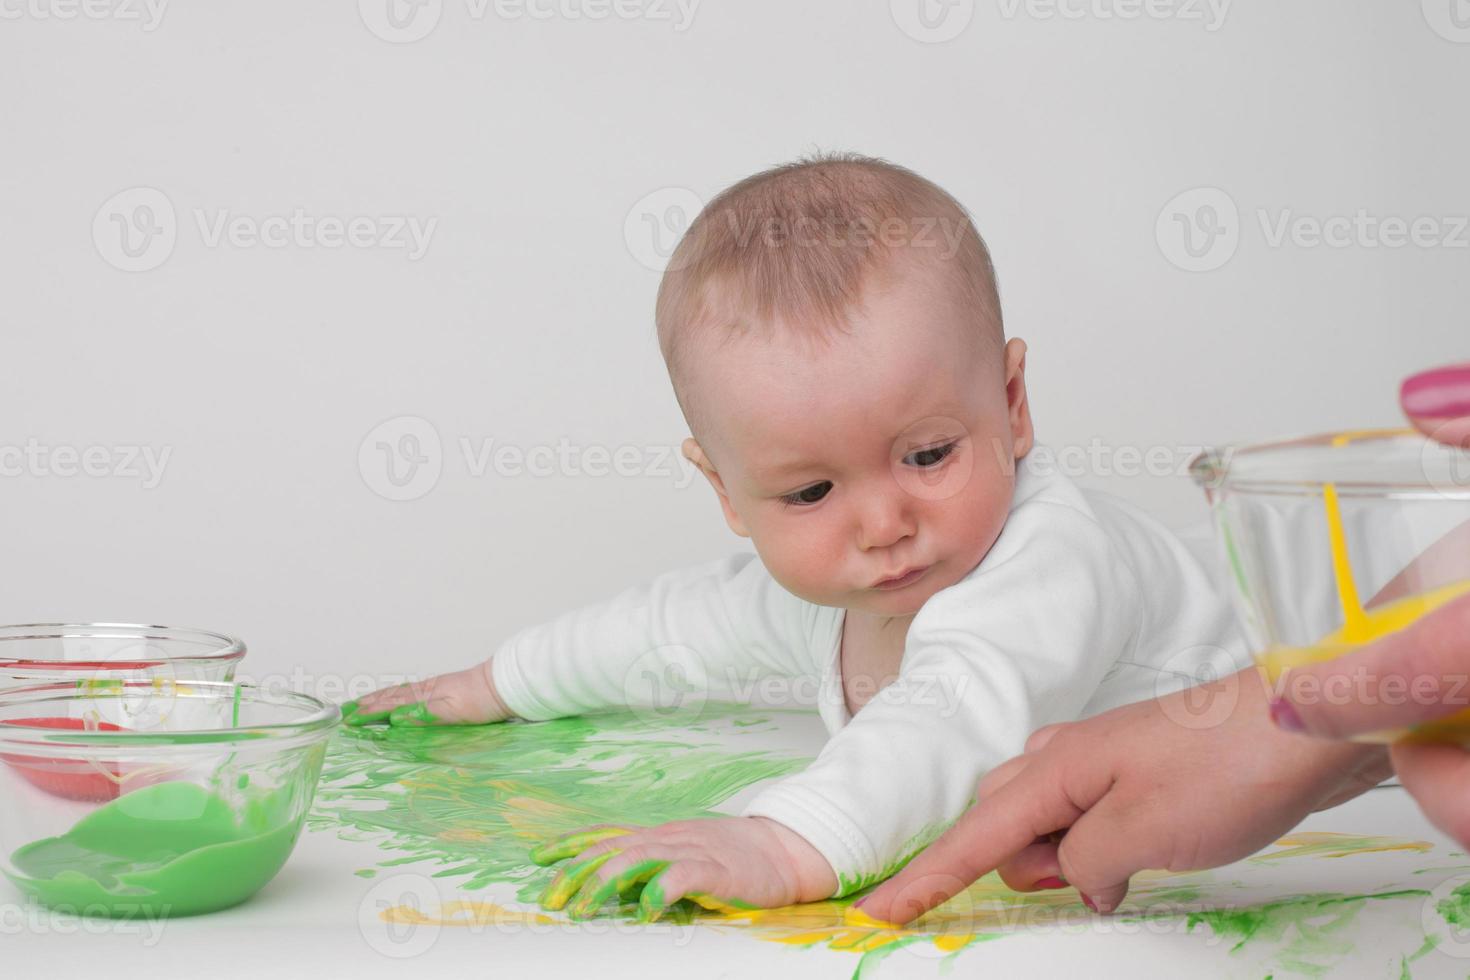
x=534 y=144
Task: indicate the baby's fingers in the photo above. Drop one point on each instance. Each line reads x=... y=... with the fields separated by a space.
x=376 y=707
x=464 y=697
x=595 y=895
x=574 y=843
x=569 y=880
x=689 y=878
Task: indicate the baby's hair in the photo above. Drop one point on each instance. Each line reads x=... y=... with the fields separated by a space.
x=799 y=242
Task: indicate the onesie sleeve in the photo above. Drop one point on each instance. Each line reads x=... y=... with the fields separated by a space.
x=706 y=631
x=1020 y=642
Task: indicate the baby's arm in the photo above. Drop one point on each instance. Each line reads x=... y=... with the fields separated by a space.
x=1021 y=642
x=709 y=630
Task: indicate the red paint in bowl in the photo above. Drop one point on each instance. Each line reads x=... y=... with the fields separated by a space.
x=71 y=779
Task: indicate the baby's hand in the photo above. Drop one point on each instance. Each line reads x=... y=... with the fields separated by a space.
x=721 y=863
x=465 y=697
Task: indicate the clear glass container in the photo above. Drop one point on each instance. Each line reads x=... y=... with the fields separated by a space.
x=86 y=652
x=1334 y=540
x=153 y=798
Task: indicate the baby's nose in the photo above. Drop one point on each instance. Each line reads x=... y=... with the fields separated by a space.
x=886 y=519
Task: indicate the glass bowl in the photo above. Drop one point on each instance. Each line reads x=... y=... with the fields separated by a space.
x=151 y=797
x=1331 y=541
x=33 y=653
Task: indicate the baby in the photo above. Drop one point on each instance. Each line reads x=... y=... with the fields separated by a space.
x=832 y=330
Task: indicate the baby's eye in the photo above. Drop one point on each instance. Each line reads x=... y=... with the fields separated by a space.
x=807 y=495
x=931 y=457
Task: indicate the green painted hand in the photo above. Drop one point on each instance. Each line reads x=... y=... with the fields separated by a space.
x=464 y=697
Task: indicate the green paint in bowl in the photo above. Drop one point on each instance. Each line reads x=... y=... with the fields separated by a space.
x=170 y=849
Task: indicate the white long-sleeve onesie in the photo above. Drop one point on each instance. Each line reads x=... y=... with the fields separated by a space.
x=1082 y=604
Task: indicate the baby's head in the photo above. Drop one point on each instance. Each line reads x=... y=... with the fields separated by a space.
x=833 y=333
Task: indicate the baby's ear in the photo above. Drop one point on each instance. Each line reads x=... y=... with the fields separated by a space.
x=695 y=454
x=1018 y=406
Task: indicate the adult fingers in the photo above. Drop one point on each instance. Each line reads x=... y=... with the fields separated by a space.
x=1437 y=402
x=1437 y=775
x=1033 y=868
x=994 y=830
x=1415 y=675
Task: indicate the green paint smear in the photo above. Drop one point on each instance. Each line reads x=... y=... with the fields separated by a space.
x=475 y=799
x=171 y=849
x=848 y=885
x=1320 y=926
x=1456 y=908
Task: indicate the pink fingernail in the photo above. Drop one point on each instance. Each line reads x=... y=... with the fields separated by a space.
x=1443 y=393
x=1087 y=900
x=1052 y=882
x=1283 y=713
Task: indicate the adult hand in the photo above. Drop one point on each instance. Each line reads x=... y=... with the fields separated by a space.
x=1134 y=788
x=1419 y=675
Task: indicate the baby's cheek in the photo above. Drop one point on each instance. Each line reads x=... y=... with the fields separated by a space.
x=977 y=522
x=804 y=564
